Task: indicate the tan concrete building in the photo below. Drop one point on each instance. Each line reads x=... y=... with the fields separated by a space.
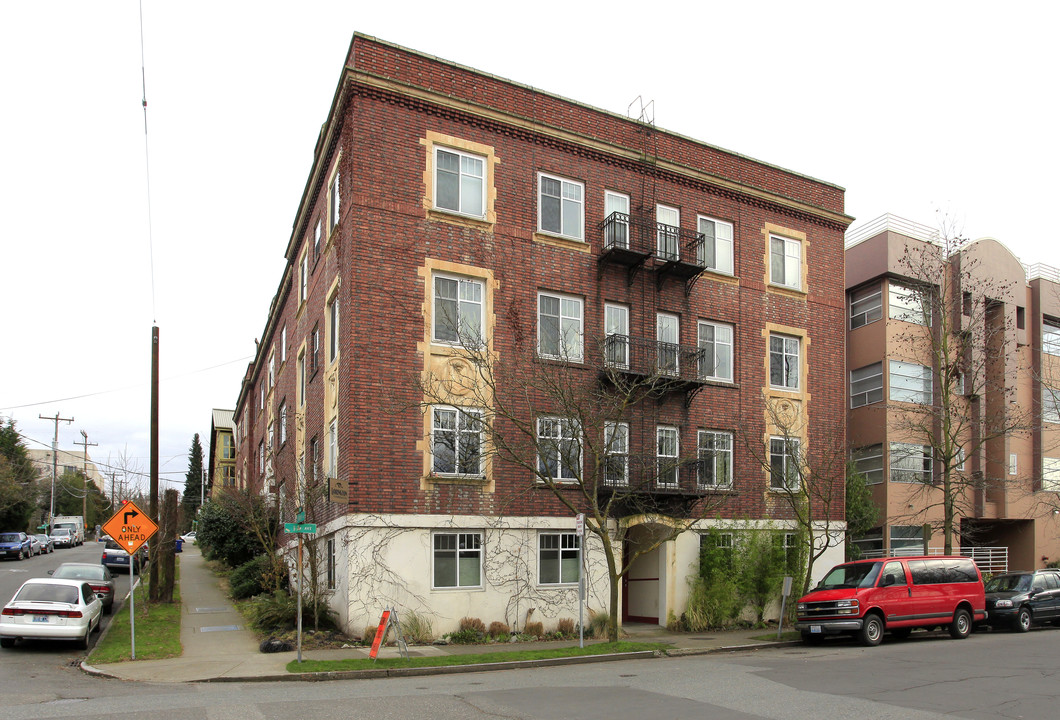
x=953 y=360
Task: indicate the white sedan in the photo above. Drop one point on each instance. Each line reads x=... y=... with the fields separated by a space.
x=51 y=609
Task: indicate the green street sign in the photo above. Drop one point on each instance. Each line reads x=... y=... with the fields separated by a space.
x=300 y=528
x=42 y=527
x=300 y=516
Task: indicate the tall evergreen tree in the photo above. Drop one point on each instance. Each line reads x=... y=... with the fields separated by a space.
x=17 y=480
x=192 y=482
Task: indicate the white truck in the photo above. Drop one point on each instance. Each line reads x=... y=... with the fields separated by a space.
x=75 y=523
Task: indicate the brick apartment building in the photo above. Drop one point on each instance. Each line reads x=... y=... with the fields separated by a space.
x=444 y=201
x=1003 y=324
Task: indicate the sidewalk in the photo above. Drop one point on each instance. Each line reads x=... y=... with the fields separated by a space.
x=219 y=647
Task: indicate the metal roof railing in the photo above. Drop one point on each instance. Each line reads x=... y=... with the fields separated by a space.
x=887 y=221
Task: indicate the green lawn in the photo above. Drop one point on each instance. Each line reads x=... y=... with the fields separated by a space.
x=157 y=628
x=307 y=666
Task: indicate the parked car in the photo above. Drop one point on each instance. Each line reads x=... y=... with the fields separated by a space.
x=865 y=598
x=51 y=609
x=189 y=537
x=62 y=537
x=1019 y=599
x=98 y=575
x=115 y=557
x=15 y=544
x=46 y=544
x=34 y=546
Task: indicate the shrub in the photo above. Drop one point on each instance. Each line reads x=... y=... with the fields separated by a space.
x=711 y=604
x=469 y=623
x=278 y=612
x=256 y=576
x=498 y=628
x=565 y=627
x=468 y=636
x=535 y=629
x=598 y=624
x=417 y=628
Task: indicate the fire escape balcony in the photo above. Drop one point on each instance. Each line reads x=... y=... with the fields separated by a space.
x=651 y=475
x=630 y=242
x=661 y=367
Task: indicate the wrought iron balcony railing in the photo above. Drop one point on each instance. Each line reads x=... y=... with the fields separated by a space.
x=654 y=359
x=630 y=241
x=636 y=474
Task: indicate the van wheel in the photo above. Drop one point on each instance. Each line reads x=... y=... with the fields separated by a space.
x=961 y=627
x=1023 y=620
x=871 y=632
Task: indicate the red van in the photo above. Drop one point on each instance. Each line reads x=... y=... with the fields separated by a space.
x=865 y=598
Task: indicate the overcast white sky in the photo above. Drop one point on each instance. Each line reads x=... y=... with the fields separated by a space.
x=913 y=107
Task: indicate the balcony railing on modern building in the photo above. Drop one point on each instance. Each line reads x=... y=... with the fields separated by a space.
x=990 y=560
x=666 y=367
x=630 y=241
x=649 y=474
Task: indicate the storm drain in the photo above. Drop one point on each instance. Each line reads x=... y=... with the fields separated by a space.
x=212 y=609
x=220 y=628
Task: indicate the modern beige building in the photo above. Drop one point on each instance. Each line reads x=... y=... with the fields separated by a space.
x=65 y=461
x=953 y=353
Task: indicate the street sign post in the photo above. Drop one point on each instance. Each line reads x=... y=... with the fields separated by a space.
x=131 y=527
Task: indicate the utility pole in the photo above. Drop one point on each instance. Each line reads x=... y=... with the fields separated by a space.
x=153 y=554
x=84 y=471
x=55 y=459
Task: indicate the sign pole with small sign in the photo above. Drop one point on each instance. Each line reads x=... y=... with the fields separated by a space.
x=131 y=527
x=579 y=529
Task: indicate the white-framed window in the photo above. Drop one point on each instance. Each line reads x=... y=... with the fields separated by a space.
x=959 y=460
x=303 y=278
x=333 y=329
x=616 y=220
x=314 y=357
x=459 y=182
x=301 y=378
x=715 y=458
x=261 y=456
x=1050 y=405
x=716 y=253
x=784 y=463
x=333 y=448
x=785 y=262
x=318 y=230
x=456 y=440
x=866 y=385
x=334 y=202
x=716 y=346
x=459 y=310
x=457 y=559
x=272 y=436
x=558 y=558
x=667 y=339
x=616 y=453
x=283 y=344
x=910 y=463
x=1050 y=337
x=784 y=351
x=559 y=448
x=559 y=326
x=283 y=422
x=906 y=304
x=261 y=397
x=561 y=207
x=910 y=383
x=1050 y=474
x=314 y=459
x=331 y=564
x=667 y=448
x=668 y=232
x=907 y=540
x=616 y=334
x=1013 y=464
x=869 y=462
x=866 y=306
x=272 y=370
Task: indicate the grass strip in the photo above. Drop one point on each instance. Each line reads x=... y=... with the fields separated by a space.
x=308 y=666
x=157 y=628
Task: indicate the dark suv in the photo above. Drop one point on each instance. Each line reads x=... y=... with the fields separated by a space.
x=1020 y=599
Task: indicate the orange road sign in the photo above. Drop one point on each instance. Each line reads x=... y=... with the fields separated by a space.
x=130 y=527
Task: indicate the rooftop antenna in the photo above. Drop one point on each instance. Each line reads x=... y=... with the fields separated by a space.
x=645 y=112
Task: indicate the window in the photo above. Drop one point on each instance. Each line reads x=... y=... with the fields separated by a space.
x=784 y=361
x=314 y=459
x=272 y=371
x=866 y=306
x=332 y=575
x=715 y=554
x=667 y=336
x=228 y=447
x=910 y=383
x=907 y=305
x=1013 y=464
x=716 y=251
x=959 y=459
x=716 y=358
x=561 y=207
x=666 y=452
x=616 y=331
x=1050 y=474
x=616 y=453
x=303 y=278
x=616 y=221
x=715 y=458
x=559 y=448
x=668 y=232
x=301 y=379
x=261 y=397
x=559 y=558
x=314 y=357
x=261 y=456
x=869 y=462
x=866 y=385
x=316 y=238
x=785 y=262
x=283 y=345
x=910 y=463
x=559 y=327
x=272 y=436
x=1051 y=337
x=460 y=182
x=458 y=311
x=1050 y=405
x=333 y=202
x=333 y=330
x=456 y=438
x=283 y=422
x=784 y=463
x=457 y=560
x=333 y=448
x=228 y=476
x=907 y=540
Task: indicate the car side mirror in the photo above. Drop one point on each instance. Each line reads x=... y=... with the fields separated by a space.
x=50 y=572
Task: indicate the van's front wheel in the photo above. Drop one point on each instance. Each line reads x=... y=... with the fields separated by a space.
x=871 y=632
x=961 y=627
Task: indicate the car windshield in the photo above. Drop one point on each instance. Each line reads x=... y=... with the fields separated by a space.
x=857 y=575
x=9 y=537
x=112 y=545
x=80 y=572
x=1009 y=583
x=41 y=592
x=60 y=531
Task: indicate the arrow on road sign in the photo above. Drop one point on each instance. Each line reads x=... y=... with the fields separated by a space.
x=125 y=520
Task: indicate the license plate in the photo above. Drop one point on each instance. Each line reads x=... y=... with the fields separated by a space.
x=815 y=628
x=40 y=618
